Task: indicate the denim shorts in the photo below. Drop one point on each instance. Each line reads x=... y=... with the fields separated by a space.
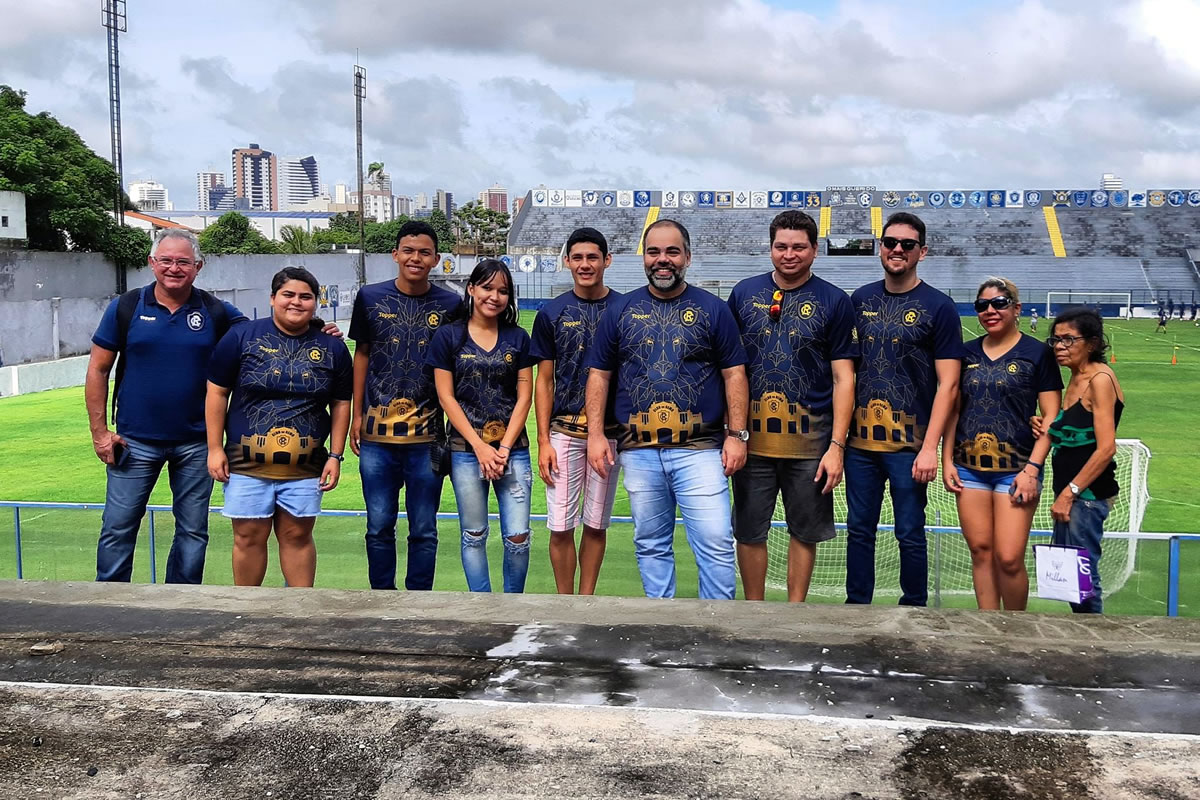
x=999 y=482
x=248 y=497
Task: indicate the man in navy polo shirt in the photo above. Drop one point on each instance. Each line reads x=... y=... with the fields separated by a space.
x=165 y=345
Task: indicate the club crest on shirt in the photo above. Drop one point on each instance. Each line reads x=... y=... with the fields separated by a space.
x=912 y=317
x=434 y=319
x=508 y=358
x=688 y=316
x=195 y=320
x=1012 y=368
x=316 y=355
x=807 y=309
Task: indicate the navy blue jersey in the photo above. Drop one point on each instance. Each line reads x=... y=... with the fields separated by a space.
x=562 y=332
x=900 y=336
x=666 y=357
x=998 y=398
x=400 y=403
x=161 y=397
x=789 y=362
x=485 y=381
x=282 y=387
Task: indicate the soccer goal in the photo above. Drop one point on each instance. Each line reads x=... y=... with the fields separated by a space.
x=1112 y=305
x=949 y=558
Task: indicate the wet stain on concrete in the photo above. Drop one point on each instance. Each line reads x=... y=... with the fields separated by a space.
x=989 y=765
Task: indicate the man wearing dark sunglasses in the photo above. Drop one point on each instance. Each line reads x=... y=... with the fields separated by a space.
x=798 y=333
x=906 y=385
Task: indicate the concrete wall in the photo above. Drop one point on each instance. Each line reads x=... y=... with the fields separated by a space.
x=42 y=375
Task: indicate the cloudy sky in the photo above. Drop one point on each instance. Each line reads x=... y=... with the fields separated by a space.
x=629 y=94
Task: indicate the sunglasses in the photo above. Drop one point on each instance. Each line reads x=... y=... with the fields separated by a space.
x=1066 y=341
x=906 y=245
x=776 y=309
x=999 y=302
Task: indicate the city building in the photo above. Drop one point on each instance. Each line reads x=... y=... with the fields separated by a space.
x=12 y=218
x=377 y=205
x=495 y=198
x=149 y=196
x=380 y=181
x=421 y=202
x=256 y=177
x=1110 y=182
x=444 y=201
x=299 y=181
x=341 y=193
x=205 y=182
x=404 y=206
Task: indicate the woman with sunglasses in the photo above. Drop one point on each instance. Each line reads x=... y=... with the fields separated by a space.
x=1084 y=435
x=994 y=468
x=483 y=374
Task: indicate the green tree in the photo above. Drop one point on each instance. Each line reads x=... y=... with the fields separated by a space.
x=233 y=233
x=68 y=189
x=381 y=236
x=347 y=222
x=441 y=226
x=296 y=241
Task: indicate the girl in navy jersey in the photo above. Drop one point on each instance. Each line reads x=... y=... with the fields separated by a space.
x=291 y=386
x=483 y=373
x=1084 y=435
x=994 y=467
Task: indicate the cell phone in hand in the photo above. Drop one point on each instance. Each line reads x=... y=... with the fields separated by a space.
x=120 y=454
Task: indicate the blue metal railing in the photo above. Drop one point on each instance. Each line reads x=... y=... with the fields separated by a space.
x=1173 y=539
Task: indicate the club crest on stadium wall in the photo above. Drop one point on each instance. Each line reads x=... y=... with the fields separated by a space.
x=957 y=199
x=1193 y=198
x=1175 y=197
x=914 y=200
x=937 y=199
x=891 y=199
x=1080 y=198
x=864 y=199
x=1033 y=198
x=976 y=199
x=1157 y=198
x=687 y=199
x=590 y=198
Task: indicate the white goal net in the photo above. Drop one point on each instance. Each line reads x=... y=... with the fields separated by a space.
x=1111 y=305
x=949 y=558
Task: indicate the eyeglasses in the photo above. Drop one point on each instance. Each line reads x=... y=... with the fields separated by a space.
x=182 y=263
x=999 y=302
x=1066 y=341
x=776 y=309
x=906 y=245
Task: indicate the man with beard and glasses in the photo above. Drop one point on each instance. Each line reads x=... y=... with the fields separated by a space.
x=910 y=341
x=680 y=405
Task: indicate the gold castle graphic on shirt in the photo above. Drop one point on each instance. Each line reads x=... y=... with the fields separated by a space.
x=878 y=427
x=781 y=429
x=275 y=453
x=400 y=419
x=665 y=424
x=492 y=431
x=987 y=453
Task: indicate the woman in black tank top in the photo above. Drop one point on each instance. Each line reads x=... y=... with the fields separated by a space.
x=1084 y=437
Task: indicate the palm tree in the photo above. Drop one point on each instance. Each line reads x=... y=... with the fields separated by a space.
x=296 y=241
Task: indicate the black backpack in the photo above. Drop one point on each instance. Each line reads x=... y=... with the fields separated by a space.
x=127 y=305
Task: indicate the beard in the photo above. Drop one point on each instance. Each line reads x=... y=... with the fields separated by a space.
x=666 y=284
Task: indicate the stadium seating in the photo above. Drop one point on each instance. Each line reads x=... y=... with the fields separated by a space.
x=1107 y=249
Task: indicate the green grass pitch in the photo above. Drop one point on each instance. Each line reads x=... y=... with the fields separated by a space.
x=47 y=456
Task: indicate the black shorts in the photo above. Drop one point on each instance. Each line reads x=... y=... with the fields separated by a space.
x=809 y=513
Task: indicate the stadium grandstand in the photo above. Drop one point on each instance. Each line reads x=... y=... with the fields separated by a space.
x=1091 y=242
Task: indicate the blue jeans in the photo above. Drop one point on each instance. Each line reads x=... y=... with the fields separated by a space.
x=385 y=468
x=658 y=478
x=1085 y=529
x=512 y=496
x=866 y=473
x=125 y=499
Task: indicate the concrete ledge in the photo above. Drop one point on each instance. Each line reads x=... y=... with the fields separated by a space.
x=42 y=375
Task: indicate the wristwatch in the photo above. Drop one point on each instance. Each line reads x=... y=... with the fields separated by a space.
x=743 y=436
x=1075 y=490
x=338 y=456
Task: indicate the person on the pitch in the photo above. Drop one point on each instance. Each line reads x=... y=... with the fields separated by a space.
x=907 y=384
x=798 y=333
x=681 y=402
x=562 y=331
x=396 y=413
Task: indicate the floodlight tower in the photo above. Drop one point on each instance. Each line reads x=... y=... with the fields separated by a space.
x=112 y=16
x=360 y=92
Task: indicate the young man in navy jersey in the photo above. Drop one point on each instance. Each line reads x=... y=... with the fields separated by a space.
x=396 y=413
x=680 y=403
x=910 y=340
x=798 y=333
x=562 y=331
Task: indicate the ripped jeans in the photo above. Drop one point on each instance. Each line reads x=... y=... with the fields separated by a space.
x=512 y=496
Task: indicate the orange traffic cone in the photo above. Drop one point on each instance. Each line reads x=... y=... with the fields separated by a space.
x=1112 y=359
x=1174 y=358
